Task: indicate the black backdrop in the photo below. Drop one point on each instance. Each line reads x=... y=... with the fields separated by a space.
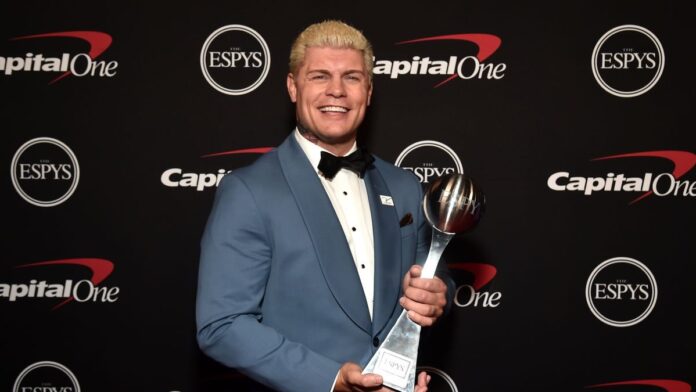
x=546 y=113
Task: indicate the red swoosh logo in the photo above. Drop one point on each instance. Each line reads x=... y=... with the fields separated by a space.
x=667 y=385
x=258 y=150
x=487 y=44
x=98 y=43
x=683 y=162
x=483 y=273
x=100 y=268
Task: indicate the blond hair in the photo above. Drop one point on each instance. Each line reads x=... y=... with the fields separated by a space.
x=331 y=34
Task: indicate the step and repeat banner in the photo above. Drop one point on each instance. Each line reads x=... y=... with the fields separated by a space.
x=576 y=119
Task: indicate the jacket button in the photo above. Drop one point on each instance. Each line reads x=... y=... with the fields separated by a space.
x=375 y=341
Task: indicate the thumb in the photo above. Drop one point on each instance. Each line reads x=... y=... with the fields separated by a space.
x=415 y=271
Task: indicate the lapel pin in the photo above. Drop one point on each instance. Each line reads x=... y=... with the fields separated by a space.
x=386 y=200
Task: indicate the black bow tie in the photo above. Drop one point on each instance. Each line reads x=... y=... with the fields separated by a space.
x=358 y=162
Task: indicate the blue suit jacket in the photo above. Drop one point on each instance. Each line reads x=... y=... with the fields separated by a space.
x=279 y=297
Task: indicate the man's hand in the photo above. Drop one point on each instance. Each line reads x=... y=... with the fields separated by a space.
x=425 y=299
x=350 y=379
x=422 y=382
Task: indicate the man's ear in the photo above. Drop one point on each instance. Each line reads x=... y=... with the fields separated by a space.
x=369 y=93
x=292 y=87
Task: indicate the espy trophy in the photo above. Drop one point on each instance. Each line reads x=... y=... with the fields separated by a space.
x=453 y=204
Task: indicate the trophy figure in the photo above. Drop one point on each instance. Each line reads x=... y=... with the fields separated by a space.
x=452 y=204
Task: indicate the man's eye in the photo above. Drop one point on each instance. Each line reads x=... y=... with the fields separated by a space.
x=354 y=78
x=317 y=77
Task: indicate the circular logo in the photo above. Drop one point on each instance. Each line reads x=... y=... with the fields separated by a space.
x=628 y=61
x=621 y=292
x=235 y=59
x=441 y=381
x=428 y=160
x=45 y=172
x=46 y=375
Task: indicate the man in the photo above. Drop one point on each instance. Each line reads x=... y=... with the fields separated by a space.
x=305 y=266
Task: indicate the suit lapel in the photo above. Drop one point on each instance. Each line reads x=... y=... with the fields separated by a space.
x=388 y=273
x=326 y=233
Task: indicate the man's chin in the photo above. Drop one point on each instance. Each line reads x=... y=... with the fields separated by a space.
x=336 y=139
x=330 y=135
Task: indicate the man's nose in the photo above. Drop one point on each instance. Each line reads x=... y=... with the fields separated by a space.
x=336 y=88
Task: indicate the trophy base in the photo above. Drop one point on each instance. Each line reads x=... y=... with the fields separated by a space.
x=395 y=360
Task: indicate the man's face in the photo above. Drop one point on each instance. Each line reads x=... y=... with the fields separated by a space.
x=331 y=91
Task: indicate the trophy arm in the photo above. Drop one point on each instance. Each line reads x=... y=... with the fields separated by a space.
x=437 y=246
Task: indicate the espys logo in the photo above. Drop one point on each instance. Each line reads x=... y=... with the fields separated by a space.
x=621 y=292
x=80 y=64
x=46 y=376
x=664 y=384
x=235 y=59
x=453 y=67
x=649 y=183
x=470 y=295
x=428 y=159
x=178 y=178
x=84 y=290
x=45 y=172
x=628 y=61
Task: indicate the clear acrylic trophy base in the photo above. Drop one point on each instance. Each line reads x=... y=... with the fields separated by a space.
x=396 y=358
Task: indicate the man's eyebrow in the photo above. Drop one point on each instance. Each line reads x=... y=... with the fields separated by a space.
x=326 y=71
x=350 y=71
x=320 y=70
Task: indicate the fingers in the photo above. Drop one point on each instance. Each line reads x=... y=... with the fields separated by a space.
x=369 y=380
x=427 y=291
x=413 y=279
x=350 y=378
x=424 y=315
x=417 y=314
x=422 y=382
x=425 y=299
x=412 y=273
x=424 y=302
x=415 y=271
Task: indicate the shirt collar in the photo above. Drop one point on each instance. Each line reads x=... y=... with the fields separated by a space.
x=313 y=151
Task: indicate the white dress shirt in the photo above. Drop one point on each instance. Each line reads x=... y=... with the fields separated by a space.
x=349 y=199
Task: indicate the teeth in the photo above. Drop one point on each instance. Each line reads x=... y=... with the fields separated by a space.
x=333 y=109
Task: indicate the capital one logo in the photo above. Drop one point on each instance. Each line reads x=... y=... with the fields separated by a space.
x=465 y=67
x=621 y=292
x=235 y=59
x=46 y=376
x=66 y=64
x=45 y=172
x=429 y=159
x=177 y=177
x=628 y=61
x=471 y=295
x=83 y=290
x=649 y=183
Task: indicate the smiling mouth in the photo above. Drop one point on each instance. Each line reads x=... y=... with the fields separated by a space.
x=333 y=109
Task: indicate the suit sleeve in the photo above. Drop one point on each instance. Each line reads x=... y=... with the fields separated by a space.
x=236 y=255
